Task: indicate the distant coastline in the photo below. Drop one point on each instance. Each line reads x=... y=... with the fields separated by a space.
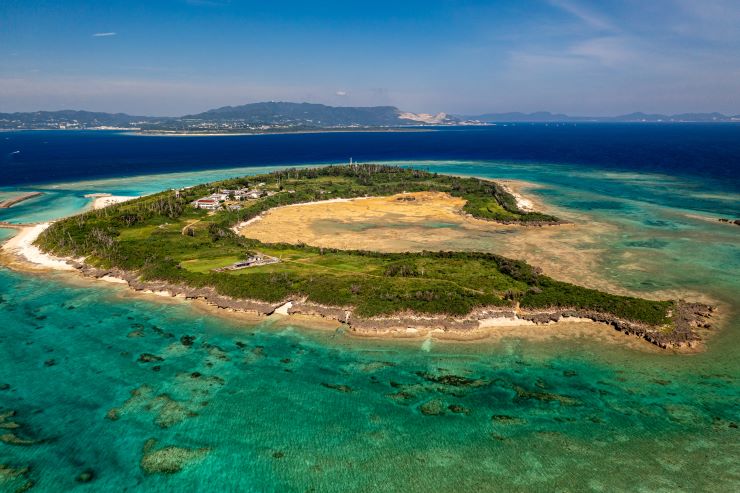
x=289 y=117
x=280 y=132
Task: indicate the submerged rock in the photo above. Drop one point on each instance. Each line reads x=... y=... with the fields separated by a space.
x=216 y=352
x=452 y=380
x=149 y=358
x=187 y=341
x=160 y=332
x=524 y=394
x=339 y=387
x=12 y=438
x=169 y=411
x=434 y=407
x=374 y=366
x=170 y=459
x=85 y=476
x=198 y=384
x=166 y=410
x=402 y=397
x=507 y=420
x=15 y=479
x=458 y=409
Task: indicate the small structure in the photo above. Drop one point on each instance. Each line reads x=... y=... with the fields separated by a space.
x=207 y=203
x=255 y=194
x=213 y=202
x=252 y=261
x=240 y=194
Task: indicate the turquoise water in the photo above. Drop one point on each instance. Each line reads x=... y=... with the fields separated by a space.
x=5 y=234
x=276 y=408
x=63 y=199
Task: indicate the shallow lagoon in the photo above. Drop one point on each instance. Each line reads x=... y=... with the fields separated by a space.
x=270 y=408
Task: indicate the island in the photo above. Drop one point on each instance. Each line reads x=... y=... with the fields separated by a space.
x=187 y=243
x=271 y=117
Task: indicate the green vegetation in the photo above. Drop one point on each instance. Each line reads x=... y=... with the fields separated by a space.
x=485 y=199
x=164 y=238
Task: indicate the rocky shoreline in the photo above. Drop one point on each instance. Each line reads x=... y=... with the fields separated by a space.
x=736 y=222
x=688 y=318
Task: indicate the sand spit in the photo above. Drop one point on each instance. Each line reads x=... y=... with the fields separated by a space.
x=101 y=200
x=5 y=204
x=21 y=246
x=522 y=203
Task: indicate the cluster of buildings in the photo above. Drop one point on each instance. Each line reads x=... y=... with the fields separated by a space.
x=228 y=198
x=214 y=126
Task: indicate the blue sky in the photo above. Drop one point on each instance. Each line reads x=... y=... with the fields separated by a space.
x=170 y=57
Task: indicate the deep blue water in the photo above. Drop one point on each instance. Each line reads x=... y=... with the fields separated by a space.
x=710 y=151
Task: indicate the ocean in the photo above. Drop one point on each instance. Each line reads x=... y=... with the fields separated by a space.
x=710 y=151
x=239 y=406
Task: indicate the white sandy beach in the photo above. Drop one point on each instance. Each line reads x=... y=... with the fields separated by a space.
x=522 y=203
x=101 y=200
x=21 y=245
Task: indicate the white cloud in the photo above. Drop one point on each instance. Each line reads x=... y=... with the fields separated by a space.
x=103 y=35
x=341 y=93
x=608 y=51
x=145 y=96
x=591 y=18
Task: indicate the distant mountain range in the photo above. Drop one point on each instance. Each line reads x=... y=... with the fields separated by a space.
x=55 y=119
x=546 y=116
x=279 y=113
x=255 y=117
x=283 y=116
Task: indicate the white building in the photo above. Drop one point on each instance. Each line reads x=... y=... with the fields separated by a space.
x=207 y=203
